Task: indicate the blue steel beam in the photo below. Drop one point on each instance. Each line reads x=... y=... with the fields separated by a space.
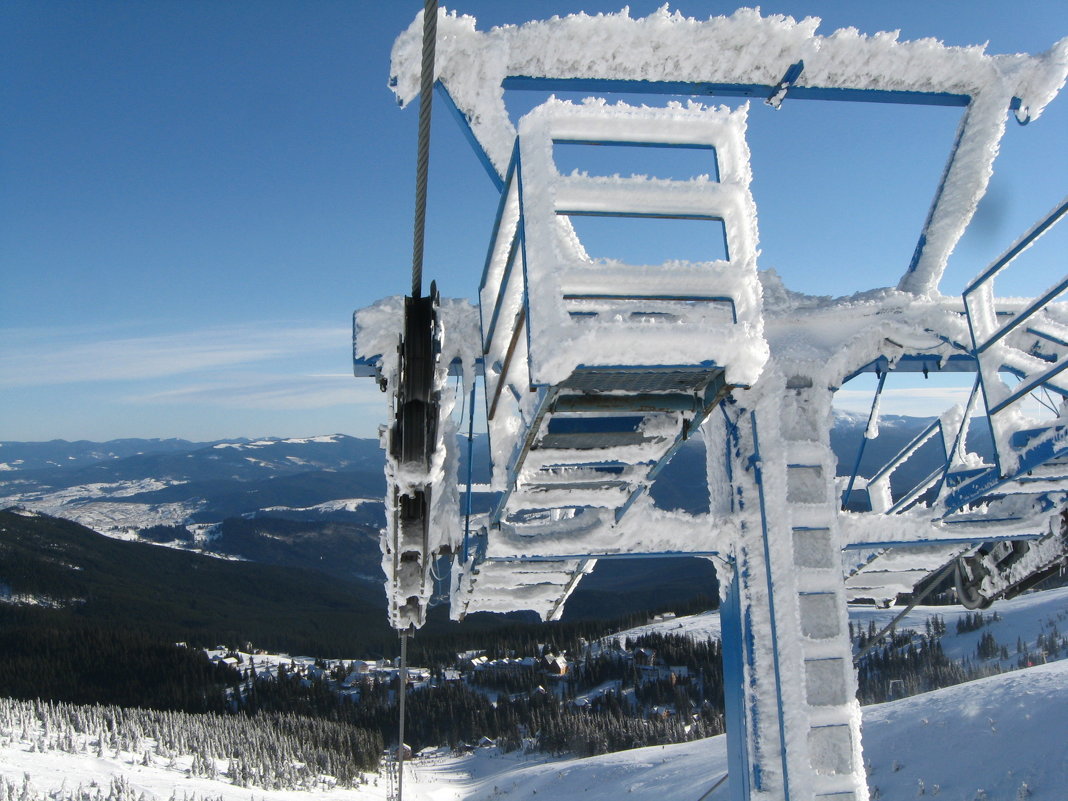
x=758 y=479
x=1037 y=305
x=783 y=88
x=505 y=186
x=469 y=135
x=754 y=90
x=635 y=143
x=734 y=645
x=590 y=554
x=919 y=363
x=655 y=215
x=908 y=450
x=1022 y=244
x=975 y=539
x=921 y=244
x=863 y=441
x=1030 y=386
x=668 y=298
x=659 y=145
x=990 y=480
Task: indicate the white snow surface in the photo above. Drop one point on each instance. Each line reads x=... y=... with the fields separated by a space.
x=996 y=735
x=90 y=505
x=123 y=521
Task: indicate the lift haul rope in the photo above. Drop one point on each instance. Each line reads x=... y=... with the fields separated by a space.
x=422 y=167
x=422 y=164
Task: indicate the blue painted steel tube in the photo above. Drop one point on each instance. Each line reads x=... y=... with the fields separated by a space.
x=465 y=126
x=1021 y=318
x=1029 y=386
x=863 y=442
x=599 y=555
x=905 y=453
x=921 y=244
x=470 y=471
x=730 y=617
x=505 y=188
x=1022 y=244
x=758 y=475
x=601 y=86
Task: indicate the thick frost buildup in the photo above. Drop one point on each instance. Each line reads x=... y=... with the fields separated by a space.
x=571 y=323
x=407 y=556
x=743 y=48
x=596 y=370
x=750 y=49
x=964 y=184
x=377 y=330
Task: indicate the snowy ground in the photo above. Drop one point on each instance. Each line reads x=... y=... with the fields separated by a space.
x=57 y=771
x=93 y=506
x=1023 y=617
x=701 y=627
x=998 y=739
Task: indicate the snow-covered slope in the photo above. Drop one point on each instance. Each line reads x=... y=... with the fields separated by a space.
x=1023 y=618
x=998 y=739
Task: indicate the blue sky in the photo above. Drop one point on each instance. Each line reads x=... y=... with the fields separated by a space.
x=194 y=197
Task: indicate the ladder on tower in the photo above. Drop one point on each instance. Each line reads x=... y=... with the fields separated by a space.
x=597 y=372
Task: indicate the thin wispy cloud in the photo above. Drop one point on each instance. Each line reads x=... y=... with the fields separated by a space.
x=50 y=358
x=275 y=392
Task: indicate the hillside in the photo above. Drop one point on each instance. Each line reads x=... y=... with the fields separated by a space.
x=57 y=576
x=998 y=739
x=316 y=503
x=59 y=573
x=1005 y=732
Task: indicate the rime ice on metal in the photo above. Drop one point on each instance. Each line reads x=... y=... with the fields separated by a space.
x=596 y=370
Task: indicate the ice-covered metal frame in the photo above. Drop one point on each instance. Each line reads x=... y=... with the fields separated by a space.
x=789 y=557
x=742 y=55
x=597 y=371
x=778 y=58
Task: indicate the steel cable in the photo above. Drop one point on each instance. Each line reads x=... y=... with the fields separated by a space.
x=422 y=165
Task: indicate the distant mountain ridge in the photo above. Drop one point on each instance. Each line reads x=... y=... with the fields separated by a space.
x=59 y=453
x=200 y=496
x=57 y=464
x=317 y=502
x=311 y=479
